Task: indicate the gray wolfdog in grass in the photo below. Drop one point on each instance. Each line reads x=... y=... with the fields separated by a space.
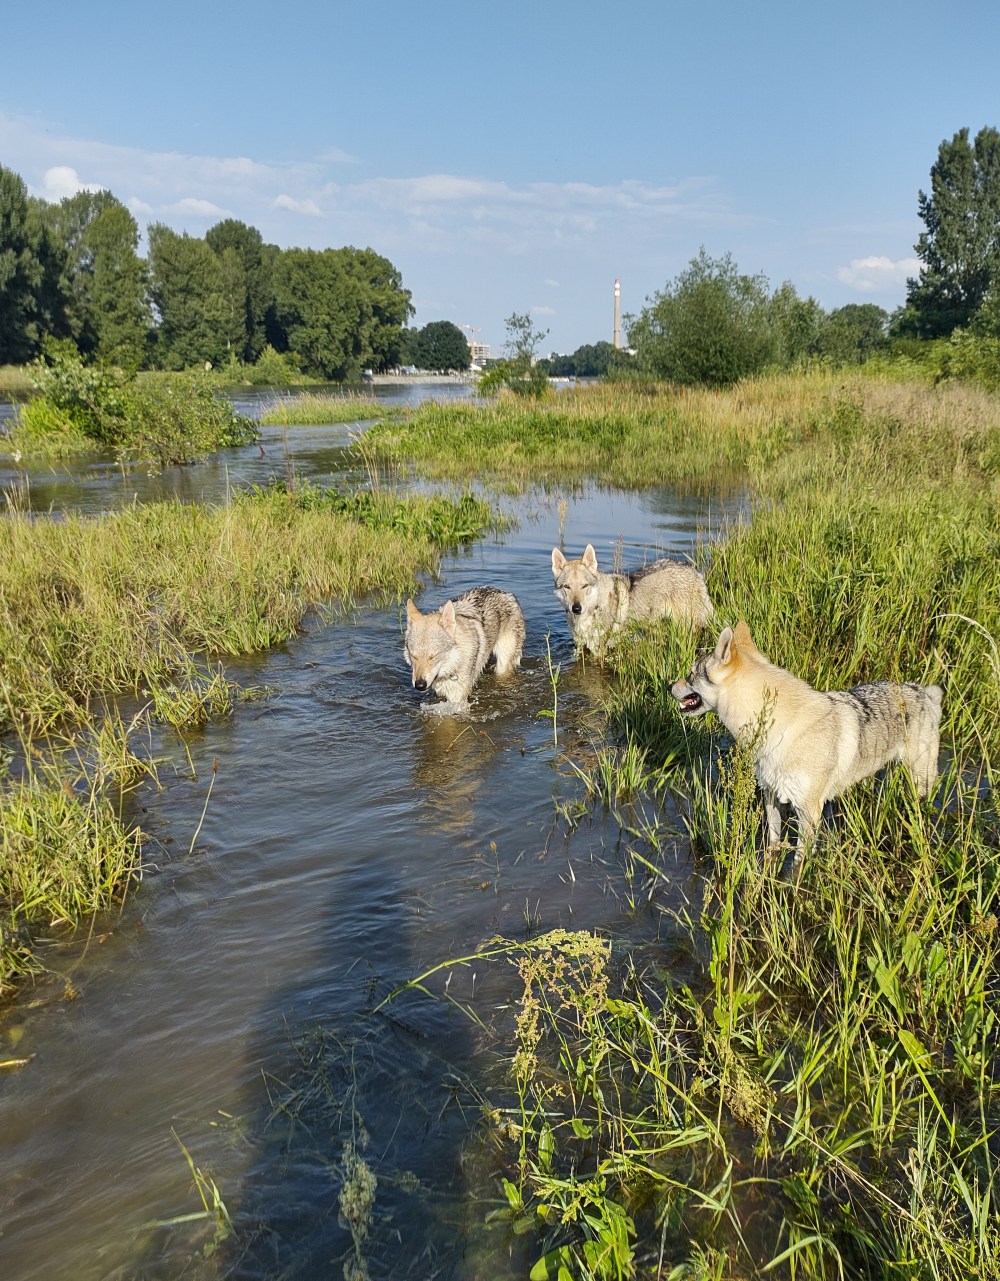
x=810 y=745
x=449 y=648
x=598 y=605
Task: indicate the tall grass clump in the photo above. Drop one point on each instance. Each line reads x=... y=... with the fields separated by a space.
x=64 y=851
x=627 y=434
x=317 y=407
x=136 y=600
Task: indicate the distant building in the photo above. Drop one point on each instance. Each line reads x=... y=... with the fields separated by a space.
x=479 y=351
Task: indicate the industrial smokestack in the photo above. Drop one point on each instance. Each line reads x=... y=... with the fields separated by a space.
x=618 y=315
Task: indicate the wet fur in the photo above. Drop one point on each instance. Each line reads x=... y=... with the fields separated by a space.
x=598 y=605
x=448 y=649
x=810 y=745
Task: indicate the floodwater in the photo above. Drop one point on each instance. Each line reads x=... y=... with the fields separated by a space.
x=306 y=856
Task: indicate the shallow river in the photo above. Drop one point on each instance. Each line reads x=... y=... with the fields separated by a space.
x=346 y=841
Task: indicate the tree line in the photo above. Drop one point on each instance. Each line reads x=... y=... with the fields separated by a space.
x=72 y=271
x=714 y=324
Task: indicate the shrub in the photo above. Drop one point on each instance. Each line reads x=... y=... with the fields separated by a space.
x=163 y=419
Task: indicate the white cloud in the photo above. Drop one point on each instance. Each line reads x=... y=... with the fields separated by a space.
x=139 y=207
x=877 y=274
x=307 y=206
x=543 y=311
x=61 y=181
x=200 y=208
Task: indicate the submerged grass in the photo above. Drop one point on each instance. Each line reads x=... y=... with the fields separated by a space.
x=806 y=1085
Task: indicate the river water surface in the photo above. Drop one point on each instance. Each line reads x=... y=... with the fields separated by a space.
x=323 y=845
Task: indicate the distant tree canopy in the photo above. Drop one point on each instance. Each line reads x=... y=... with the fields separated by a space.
x=342 y=310
x=960 y=246
x=32 y=303
x=439 y=345
x=711 y=326
x=592 y=360
x=72 y=271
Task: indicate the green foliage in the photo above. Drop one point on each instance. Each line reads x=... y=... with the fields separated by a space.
x=64 y=854
x=710 y=326
x=853 y=334
x=797 y=324
x=439 y=345
x=588 y=361
x=441 y=520
x=972 y=358
x=960 y=246
x=104 y=280
x=312 y=407
x=520 y=371
x=247 y=294
x=161 y=419
x=342 y=309
x=188 y=290
x=31 y=303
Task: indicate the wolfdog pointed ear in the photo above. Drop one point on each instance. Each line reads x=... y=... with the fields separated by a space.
x=724 y=645
x=558 y=562
x=412 y=611
x=448 y=617
x=590 y=557
x=742 y=636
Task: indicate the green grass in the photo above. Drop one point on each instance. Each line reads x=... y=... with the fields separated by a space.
x=319 y=408
x=801 y=1081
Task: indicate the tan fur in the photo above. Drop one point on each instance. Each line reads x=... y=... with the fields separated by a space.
x=810 y=745
x=448 y=648
x=598 y=605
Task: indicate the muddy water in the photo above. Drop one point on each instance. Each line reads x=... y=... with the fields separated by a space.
x=322 y=846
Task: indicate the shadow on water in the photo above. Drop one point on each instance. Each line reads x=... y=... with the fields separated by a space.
x=349 y=841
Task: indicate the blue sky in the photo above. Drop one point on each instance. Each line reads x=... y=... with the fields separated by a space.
x=518 y=157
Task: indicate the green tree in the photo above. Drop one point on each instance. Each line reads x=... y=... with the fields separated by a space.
x=960 y=248
x=320 y=308
x=796 y=324
x=115 y=294
x=853 y=334
x=32 y=302
x=520 y=370
x=70 y=221
x=440 y=344
x=342 y=310
x=248 y=292
x=188 y=292
x=386 y=307
x=710 y=326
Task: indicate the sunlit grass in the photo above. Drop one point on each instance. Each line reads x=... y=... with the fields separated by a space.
x=319 y=408
x=122 y=602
